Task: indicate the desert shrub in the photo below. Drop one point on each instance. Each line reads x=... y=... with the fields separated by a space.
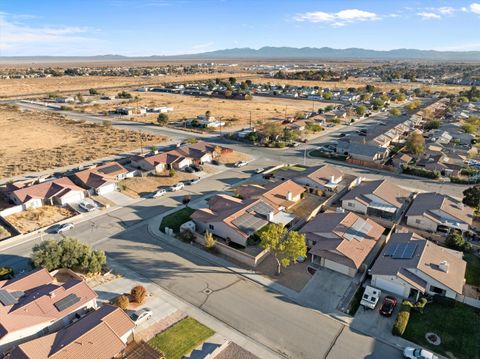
x=107 y=123
x=138 y=293
x=209 y=240
x=186 y=236
x=401 y=321
x=421 y=172
x=122 y=302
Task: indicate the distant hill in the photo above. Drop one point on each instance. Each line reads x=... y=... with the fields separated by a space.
x=276 y=53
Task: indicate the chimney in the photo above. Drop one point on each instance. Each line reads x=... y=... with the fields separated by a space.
x=443 y=266
x=339 y=210
x=289 y=196
x=332 y=179
x=270 y=216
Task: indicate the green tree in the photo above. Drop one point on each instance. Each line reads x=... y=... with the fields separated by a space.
x=370 y=88
x=416 y=143
x=232 y=80
x=67 y=253
x=327 y=95
x=209 y=240
x=471 y=197
x=228 y=93
x=271 y=130
x=291 y=135
x=286 y=246
x=172 y=172
x=456 y=241
x=395 y=111
x=360 y=110
x=432 y=125
x=469 y=128
x=93 y=91
x=162 y=119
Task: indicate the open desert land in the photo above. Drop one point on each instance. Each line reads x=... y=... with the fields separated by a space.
x=16 y=88
x=361 y=82
x=262 y=108
x=32 y=141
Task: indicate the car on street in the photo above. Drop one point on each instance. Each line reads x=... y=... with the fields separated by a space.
x=189 y=169
x=63 y=228
x=240 y=163
x=388 y=306
x=159 y=193
x=293 y=144
x=177 y=187
x=418 y=353
x=196 y=168
x=215 y=162
x=259 y=170
x=140 y=316
x=343 y=134
x=87 y=206
x=193 y=181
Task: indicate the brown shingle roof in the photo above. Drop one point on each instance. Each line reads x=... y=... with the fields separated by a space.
x=343 y=237
x=47 y=190
x=324 y=174
x=275 y=193
x=98 y=335
x=97 y=176
x=383 y=189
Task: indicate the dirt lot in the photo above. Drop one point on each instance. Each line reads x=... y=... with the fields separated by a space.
x=37 y=86
x=140 y=186
x=32 y=219
x=4 y=233
x=359 y=83
x=36 y=141
x=261 y=108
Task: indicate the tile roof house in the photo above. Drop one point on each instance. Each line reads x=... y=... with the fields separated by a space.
x=326 y=177
x=102 y=334
x=282 y=194
x=362 y=151
x=435 y=212
x=381 y=198
x=343 y=242
x=410 y=265
x=61 y=191
x=35 y=304
x=235 y=219
x=102 y=179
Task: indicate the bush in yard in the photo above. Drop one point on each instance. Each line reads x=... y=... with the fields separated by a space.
x=186 y=236
x=138 y=293
x=68 y=253
x=420 y=305
x=402 y=319
x=172 y=172
x=209 y=240
x=122 y=302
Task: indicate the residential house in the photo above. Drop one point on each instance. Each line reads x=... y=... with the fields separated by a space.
x=325 y=178
x=400 y=159
x=362 y=151
x=101 y=179
x=101 y=334
x=235 y=219
x=381 y=198
x=342 y=241
x=435 y=212
x=282 y=194
x=61 y=191
x=36 y=304
x=410 y=265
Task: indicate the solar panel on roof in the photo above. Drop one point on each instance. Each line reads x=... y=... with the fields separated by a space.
x=66 y=302
x=405 y=251
x=410 y=250
x=390 y=249
x=7 y=298
x=109 y=169
x=248 y=223
x=261 y=208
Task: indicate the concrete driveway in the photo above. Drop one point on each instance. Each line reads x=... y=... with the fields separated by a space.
x=325 y=290
x=119 y=198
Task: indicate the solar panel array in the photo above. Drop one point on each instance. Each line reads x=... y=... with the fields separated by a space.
x=261 y=208
x=358 y=230
x=109 y=169
x=7 y=298
x=66 y=302
x=249 y=223
x=401 y=250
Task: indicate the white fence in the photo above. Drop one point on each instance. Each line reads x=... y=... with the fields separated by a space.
x=11 y=210
x=468 y=300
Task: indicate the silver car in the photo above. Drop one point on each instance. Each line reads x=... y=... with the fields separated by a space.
x=140 y=316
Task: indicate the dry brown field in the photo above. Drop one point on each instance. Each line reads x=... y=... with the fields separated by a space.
x=32 y=141
x=41 y=86
x=33 y=219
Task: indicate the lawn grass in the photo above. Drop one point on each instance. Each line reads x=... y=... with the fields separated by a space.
x=181 y=339
x=472 y=274
x=176 y=219
x=294 y=168
x=456 y=323
x=333 y=156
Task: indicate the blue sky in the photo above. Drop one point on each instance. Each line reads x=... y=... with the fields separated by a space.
x=168 y=27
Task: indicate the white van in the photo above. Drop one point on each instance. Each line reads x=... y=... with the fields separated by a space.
x=370 y=297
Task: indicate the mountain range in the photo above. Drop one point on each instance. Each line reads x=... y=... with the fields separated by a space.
x=269 y=52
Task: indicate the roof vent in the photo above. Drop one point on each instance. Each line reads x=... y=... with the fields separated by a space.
x=339 y=210
x=443 y=266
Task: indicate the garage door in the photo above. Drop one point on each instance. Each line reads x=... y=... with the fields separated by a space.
x=389 y=286
x=338 y=267
x=106 y=189
x=72 y=197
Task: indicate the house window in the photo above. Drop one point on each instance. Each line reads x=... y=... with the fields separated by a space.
x=437 y=290
x=210 y=226
x=350 y=204
x=418 y=221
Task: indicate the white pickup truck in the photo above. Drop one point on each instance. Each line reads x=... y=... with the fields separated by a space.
x=370 y=297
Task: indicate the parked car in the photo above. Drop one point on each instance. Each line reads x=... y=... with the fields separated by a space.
x=215 y=162
x=240 y=163
x=159 y=193
x=189 y=169
x=87 y=206
x=140 y=316
x=293 y=144
x=259 y=170
x=196 y=168
x=6 y=273
x=64 y=227
x=177 y=187
x=370 y=297
x=418 y=353
x=193 y=181
x=268 y=176
x=388 y=306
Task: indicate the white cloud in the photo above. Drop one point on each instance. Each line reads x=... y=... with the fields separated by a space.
x=340 y=18
x=428 y=15
x=19 y=38
x=475 y=8
x=446 y=10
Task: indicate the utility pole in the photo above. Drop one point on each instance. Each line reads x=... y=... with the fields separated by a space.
x=141 y=142
x=250 y=119
x=286 y=113
x=305 y=156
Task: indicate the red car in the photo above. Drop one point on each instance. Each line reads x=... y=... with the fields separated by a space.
x=388 y=306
